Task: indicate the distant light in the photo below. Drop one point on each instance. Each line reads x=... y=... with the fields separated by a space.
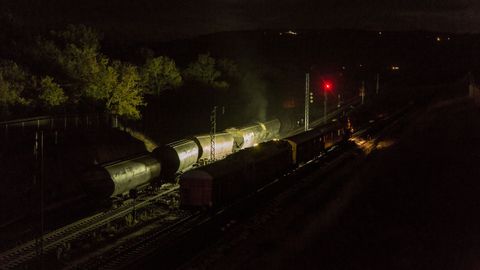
x=360 y=65
x=290 y=32
x=344 y=67
x=395 y=67
x=439 y=39
x=448 y=38
x=379 y=33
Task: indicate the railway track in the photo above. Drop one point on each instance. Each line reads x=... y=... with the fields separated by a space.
x=125 y=256
x=26 y=252
x=330 y=116
x=115 y=257
x=141 y=246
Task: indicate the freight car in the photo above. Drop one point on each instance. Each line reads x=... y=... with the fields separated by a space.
x=165 y=162
x=223 y=182
x=310 y=144
x=179 y=156
x=219 y=184
x=223 y=146
x=119 y=177
x=248 y=136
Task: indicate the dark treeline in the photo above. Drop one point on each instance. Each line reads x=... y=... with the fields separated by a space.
x=66 y=70
x=77 y=69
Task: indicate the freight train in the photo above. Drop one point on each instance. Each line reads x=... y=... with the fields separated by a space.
x=182 y=155
x=168 y=161
x=219 y=184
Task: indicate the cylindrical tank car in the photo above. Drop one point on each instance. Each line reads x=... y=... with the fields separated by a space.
x=117 y=178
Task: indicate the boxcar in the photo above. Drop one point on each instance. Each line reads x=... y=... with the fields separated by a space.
x=221 y=183
x=310 y=144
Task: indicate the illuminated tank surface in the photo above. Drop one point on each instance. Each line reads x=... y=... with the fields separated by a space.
x=132 y=173
x=224 y=145
x=177 y=156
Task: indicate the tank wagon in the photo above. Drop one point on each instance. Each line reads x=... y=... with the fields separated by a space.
x=165 y=162
x=248 y=136
x=179 y=156
x=219 y=184
x=119 y=177
x=223 y=146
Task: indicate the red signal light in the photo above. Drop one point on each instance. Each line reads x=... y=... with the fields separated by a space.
x=327 y=86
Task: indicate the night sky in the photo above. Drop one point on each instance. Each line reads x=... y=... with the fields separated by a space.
x=165 y=20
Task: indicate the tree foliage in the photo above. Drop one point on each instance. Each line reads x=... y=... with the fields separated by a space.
x=126 y=97
x=13 y=81
x=160 y=74
x=203 y=70
x=89 y=75
x=74 y=52
x=52 y=94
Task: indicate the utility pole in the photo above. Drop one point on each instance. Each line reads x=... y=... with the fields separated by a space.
x=377 y=85
x=42 y=197
x=39 y=181
x=471 y=85
x=362 y=92
x=325 y=105
x=213 y=131
x=307 y=102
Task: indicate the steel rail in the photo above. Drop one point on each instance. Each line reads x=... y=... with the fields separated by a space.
x=25 y=252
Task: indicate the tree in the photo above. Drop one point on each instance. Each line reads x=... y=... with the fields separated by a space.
x=126 y=97
x=74 y=54
x=159 y=74
x=87 y=74
x=102 y=80
x=13 y=81
x=52 y=94
x=204 y=71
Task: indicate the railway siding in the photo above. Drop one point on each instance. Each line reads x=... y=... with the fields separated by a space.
x=22 y=254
